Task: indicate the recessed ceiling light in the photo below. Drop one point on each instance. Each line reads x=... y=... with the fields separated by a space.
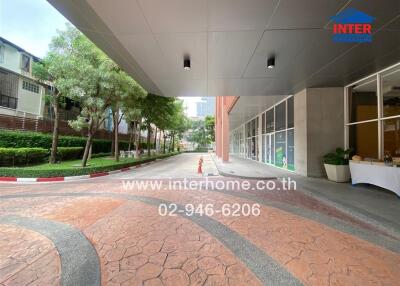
x=271 y=63
x=186 y=63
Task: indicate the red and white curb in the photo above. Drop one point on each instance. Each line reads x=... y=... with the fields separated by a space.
x=70 y=178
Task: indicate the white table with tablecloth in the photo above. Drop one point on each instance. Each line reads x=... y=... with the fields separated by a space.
x=387 y=177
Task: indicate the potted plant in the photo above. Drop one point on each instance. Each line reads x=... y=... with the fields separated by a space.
x=337 y=165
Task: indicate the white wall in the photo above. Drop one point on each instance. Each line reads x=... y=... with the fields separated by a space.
x=30 y=102
x=12 y=59
x=7 y=111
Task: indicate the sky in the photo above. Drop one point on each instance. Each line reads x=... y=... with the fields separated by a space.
x=31 y=24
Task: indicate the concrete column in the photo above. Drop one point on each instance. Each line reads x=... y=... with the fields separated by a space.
x=300 y=132
x=259 y=133
x=217 y=127
x=319 y=127
x=225 y=130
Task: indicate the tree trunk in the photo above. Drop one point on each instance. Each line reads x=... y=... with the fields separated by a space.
x=148 y=138
x=130 y=137
x=116 y=144
x=173 y=141
x=88 y=144
x=113 y=135
x=170 y=142
x=155 y=139
x=54 y=144
x=138 y=138
x=159 y=141
x=165 y=139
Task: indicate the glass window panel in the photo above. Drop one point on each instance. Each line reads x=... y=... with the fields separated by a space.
x=290 y=108
x=257 y=126
x=363 y=101
x=363 y=139
x=391 y=92
x=269 y=118
x=280 y=149
x=257 y=153
x=391 y=137
x=25 y=65
x=263 y=123
x=268 y=148
x=290 y=149
x=280 y=116
x=263 y=150
x=272 y=148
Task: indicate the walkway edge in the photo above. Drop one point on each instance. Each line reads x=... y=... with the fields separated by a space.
x=225 y=174
x=73 y=178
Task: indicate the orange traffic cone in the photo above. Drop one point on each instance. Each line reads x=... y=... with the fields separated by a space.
x=199 y=169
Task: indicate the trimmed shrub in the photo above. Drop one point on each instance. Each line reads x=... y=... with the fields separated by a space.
x=69 y=153
x=22 y=156
x=101 y=155
x=22 y=139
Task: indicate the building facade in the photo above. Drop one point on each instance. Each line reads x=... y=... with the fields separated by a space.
x=205 y=107
x=20 y=94
x=23 y=97
x=294 y=132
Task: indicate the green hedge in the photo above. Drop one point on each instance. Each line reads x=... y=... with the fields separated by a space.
x=26 y=139
x=31 y=172
x=69 y=153
x=22 y=156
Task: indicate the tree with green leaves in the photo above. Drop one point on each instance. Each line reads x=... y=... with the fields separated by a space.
x=178 y=123
x=155 y=109
x=56 y=70
x=209 y=123
x=131 y=108
x=203 y=131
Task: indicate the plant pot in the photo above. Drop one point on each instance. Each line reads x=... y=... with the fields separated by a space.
x=338 y=173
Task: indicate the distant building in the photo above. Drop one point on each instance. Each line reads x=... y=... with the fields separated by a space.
x=20 y=94
x=205 y=107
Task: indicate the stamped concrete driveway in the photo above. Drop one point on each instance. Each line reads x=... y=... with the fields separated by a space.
x=134 y=229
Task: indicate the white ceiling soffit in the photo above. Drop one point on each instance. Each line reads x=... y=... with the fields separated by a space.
x=229 y=42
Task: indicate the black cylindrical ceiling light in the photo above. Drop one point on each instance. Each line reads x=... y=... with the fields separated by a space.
x=271 y=63
x=186 y=63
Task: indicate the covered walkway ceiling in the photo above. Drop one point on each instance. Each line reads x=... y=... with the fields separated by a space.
x=229 y=42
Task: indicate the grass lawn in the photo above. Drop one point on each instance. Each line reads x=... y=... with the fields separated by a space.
x=73 y=168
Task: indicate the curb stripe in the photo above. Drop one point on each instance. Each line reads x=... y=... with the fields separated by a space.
x=100 y=174
x=51 y=179
x=8 y=179
x=73 y=178
x=26 y=179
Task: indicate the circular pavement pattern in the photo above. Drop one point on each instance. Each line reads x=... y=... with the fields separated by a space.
x=98 y=233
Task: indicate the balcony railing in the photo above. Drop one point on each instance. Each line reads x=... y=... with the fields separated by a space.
x=8 y=101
